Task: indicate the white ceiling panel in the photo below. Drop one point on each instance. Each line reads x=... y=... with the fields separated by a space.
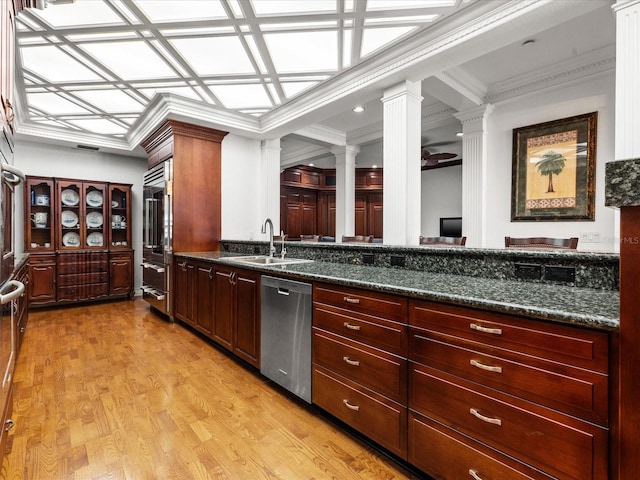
x=215 y=55
x=54 y=65
x=54 y=104
x=159 y=11
x=242 y=96
x=93 y=12
x=303 y=52
x=114 y=101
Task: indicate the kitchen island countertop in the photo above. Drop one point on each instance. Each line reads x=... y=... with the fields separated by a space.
x=585 y=307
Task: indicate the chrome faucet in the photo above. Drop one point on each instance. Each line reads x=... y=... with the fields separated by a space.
x=272 y=248
x=283 y=251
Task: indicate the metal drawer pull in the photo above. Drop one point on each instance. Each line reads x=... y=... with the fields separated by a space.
x=474 y=474
x=475 y=413
x=480 y=328
x=351 y=327
x=482 y=366
x=355 y=363
x=8 y=425
x=349 y=406
x=355 y=301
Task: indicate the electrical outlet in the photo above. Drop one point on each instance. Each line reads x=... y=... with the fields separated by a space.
x=367 y=258
x=560 y=274
x=530 y=271
x=397 y=261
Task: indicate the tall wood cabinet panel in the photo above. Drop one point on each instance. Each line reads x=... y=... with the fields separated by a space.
x=79 y=239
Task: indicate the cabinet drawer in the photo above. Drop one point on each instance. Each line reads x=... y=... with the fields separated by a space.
x=381 y=419
x=82 y=257
x=378 y=304
x=568 y=389
x=82 y=279
x=559 y=445
x=571 y=345
x=379 y=332
x=82 y=292
x=42 y=259
x=378 y=370
x=445 y=454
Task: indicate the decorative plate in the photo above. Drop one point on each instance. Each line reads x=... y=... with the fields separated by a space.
x=71 y=239
x=94 y=239
x=94 y=220
x=94 y=198
x=70 y=197
x=69 y=219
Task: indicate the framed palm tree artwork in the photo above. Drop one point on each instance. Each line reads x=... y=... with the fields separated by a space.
x=553 y=175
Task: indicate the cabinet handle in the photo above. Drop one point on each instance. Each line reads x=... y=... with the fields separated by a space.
x=351 y=327
x=355 y=363
x=482 y=366
x=355 y=408
x=8 y=425
x=183 y=266
x=355 y=301
x=494 y=421
x=474 y=474
x=480 y=328
x=211 y=273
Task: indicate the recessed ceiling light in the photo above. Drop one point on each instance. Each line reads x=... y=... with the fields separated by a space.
x=311 y=164
x=374 y=166
x=358 y=109
x=459 y=134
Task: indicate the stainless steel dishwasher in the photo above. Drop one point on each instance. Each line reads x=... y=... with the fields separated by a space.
x=285 y=337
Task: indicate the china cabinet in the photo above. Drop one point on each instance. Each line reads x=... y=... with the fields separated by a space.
x=79 y=238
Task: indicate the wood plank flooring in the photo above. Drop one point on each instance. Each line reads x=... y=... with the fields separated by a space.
x=111 y=391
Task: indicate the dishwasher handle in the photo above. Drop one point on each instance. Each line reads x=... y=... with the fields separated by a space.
x=283 y=291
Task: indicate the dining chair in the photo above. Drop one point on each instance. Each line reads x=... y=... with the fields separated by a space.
x=309 y=238
x=356 y=239
x=541 y=242
x=444 y=241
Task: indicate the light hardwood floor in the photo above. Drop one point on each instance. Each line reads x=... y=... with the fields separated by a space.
x=111 y=391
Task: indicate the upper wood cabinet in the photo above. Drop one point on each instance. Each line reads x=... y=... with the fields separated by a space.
x=7 y=67
x=81 y=215
x=196 y=197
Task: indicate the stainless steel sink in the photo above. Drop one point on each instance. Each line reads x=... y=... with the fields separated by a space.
x=266 y=260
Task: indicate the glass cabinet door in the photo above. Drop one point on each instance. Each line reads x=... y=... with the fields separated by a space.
x=39 y=215
x=120 y=236
x=94 y=218
x=70 y=204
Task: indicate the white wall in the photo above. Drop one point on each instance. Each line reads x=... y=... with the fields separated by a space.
x=588 y=96
x=39 y=159
x=441 y=197
x=241 y=188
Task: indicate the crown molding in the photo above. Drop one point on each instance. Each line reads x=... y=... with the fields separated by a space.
x=588 y=64
x=303 y=155
x=324 y=134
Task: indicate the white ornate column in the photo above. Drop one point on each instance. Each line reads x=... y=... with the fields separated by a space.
x=401 y=158
x=270 y=182
x=345 y=189
x=474 y=174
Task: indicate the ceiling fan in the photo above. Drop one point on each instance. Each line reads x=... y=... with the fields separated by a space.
x=432 y=159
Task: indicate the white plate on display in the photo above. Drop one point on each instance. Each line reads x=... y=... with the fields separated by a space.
x=71 y=239
x=94 y=220
x=70 y=197
x=69 y=219
x=94 y=239
x=94 y=198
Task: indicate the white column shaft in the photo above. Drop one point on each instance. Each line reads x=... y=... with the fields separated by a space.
x=270 y=184
x=345 y=189
x=401 y=157
x=474 y=174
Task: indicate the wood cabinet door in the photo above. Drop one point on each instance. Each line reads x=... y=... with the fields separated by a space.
x=374 y=215
x=361 y=214
x=205 y=291
x=224 y=307
x=120 y=276
x=247 y=321
x=184 y=292
x=42 y=286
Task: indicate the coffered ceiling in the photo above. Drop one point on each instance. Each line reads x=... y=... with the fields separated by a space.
x=103 y=72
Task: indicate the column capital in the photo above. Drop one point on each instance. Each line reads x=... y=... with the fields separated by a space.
x=622 y=4
x=475 y=114
x=271 y=144
x=345 y=149
x=402 y=90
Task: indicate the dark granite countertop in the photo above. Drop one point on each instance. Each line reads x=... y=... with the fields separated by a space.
x=586 y=307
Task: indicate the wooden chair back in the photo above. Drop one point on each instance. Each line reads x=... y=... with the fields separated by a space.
x=444 y=241
x=309 y=238
x=356 y=239
x=541 y=242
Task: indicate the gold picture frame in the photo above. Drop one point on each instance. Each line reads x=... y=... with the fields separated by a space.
x=553 y=173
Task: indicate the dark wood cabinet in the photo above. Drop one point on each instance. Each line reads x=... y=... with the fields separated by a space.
x=511 y=385
x=121 y=273
x=237 y=312
x=78 y=233
x=204 y=315
x=42 y=275
x=185 y=292
x=360 y=362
